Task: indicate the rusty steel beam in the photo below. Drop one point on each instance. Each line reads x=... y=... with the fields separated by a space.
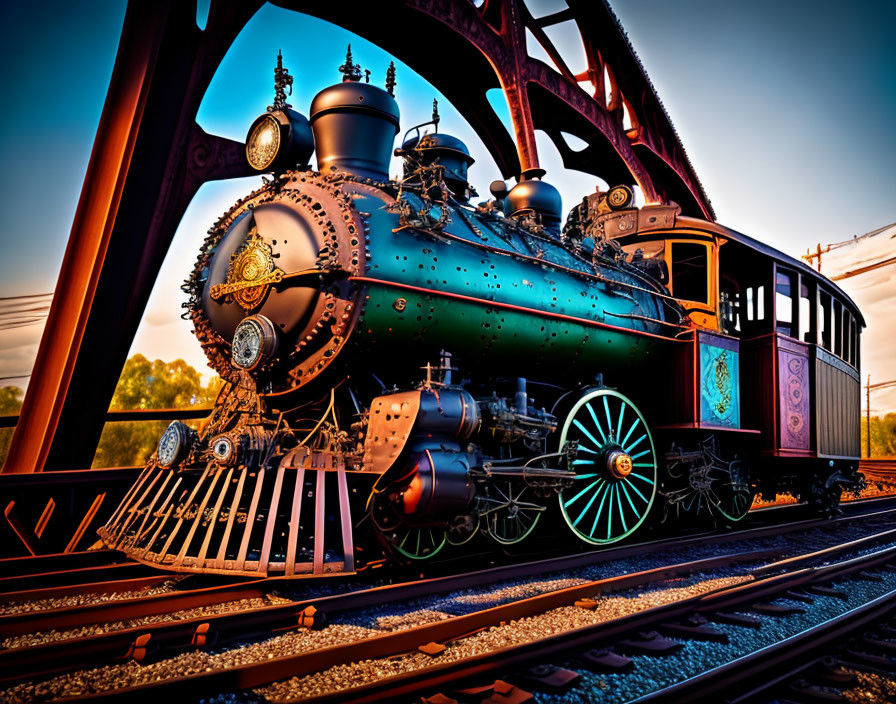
x=148 y=160
x=492 y=43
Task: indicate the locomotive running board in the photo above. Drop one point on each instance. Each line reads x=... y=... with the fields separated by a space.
x=189 y=521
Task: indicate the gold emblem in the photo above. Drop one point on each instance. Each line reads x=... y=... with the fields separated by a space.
x=250 y=274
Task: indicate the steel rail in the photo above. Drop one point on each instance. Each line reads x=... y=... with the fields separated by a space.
x=125 y=609
x=709 y=685
x=135 y=414
x=396 y=642
x=429 y=679
x=57 y=562
x=391 y=644
x=17 y=664
x=94 y=588
x=76 y=579
x=832 y=551
x=59 y=656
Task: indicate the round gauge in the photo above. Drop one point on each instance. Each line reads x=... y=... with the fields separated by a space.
x=254 y=341
x=263 y=142
x=173 y=443
x=619 y=197
x=222 y=448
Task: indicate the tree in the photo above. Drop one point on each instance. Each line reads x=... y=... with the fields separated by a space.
x=883 y=435
x=10 y=405
x=144 y=385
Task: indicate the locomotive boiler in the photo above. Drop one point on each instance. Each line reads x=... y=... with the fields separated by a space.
x=404 y=365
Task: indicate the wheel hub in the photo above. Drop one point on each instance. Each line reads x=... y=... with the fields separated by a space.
x=619 y=464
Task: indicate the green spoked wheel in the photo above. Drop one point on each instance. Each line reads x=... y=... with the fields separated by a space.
x=511 y=514
x=409 y=541
x=616 y=468
x=417 y=543
x=462 y=529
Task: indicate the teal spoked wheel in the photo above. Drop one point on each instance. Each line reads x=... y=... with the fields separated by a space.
x=616 y=468
x=418 y=543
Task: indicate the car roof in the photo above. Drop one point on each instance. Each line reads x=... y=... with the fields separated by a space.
x=772 y=253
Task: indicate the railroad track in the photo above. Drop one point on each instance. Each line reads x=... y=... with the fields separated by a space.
x=176 y=620
x=881 y=468
x=169 y=637
x=858 y=667
x=544 y=665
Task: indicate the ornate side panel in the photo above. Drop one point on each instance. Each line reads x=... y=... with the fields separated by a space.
x=719 y=381
x=794 y=396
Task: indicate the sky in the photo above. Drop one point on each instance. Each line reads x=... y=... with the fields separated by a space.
x=787 y=112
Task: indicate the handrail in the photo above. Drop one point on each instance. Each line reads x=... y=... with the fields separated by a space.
x=140 y=414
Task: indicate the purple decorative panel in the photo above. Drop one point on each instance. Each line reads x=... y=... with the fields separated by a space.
x=793 y=395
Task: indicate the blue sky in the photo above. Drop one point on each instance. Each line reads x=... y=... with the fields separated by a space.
x=786 y=109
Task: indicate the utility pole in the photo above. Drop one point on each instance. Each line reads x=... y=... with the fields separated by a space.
x=867 y=417
x=869 y=387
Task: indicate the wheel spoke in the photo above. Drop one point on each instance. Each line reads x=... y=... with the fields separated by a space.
x=584 y=476
x=585 y=448
x=619 y=423
x=609 y=422
x=641 y=454
x=600 y=510
x=583 y=461
x=596 y=423
x=635 y=489
x=630 y=431
x=610 y=517
x=619 y=504
x=643 y=479
x=628 y=498
x=582 y=428
x=635 y=443
x=588 y=506
x=582 y=492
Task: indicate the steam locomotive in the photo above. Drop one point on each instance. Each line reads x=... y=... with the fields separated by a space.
x=404 y=365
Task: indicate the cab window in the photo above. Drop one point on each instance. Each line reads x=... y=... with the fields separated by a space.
x=784 y=303
x=689 y=271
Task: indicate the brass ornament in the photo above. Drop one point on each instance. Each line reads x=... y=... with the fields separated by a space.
x=250 y=274
x=619 y=197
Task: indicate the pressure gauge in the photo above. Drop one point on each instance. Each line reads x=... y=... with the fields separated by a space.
x=223 y=449
x=254 y=342
x=263 y=142
x=174 y=444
